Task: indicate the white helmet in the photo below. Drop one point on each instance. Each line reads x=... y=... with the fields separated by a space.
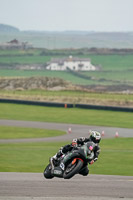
x=95 y=136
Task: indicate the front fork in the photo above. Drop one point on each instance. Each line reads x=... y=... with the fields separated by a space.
x=51 y=163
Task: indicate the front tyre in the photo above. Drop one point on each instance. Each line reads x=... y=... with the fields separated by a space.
x=72 y=169
x=47 y=172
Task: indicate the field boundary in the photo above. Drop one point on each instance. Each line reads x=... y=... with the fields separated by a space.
x=65 y=105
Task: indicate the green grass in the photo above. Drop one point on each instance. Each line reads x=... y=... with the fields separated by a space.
x=58 y=74
x=24 y=59
x=108 y=62
x=70 y=94
x=100 y=78
x=69 y=115
x=115 y=157
x=112 y=77
x=7 y=132
x=113 y=62
x=116 y=69
x=28 y=157
x=19 y=52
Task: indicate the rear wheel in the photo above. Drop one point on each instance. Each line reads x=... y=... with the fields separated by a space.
x=47 y=172
x=72 y=169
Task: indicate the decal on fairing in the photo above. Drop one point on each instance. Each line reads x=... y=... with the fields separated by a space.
x=67 y=157
x=91 y=148
x=62 y=166
x=85 y=150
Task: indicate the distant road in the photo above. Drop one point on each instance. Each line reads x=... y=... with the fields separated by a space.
x=76 y=130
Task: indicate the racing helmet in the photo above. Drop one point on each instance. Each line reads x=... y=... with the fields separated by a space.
x=95 y=136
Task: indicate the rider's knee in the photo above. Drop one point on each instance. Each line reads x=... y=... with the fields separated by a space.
x=84 y=171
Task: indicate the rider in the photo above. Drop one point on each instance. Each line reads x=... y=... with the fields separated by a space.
x=94 y=137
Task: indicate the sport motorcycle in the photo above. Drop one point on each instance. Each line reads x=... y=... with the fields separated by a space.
x=71 y=163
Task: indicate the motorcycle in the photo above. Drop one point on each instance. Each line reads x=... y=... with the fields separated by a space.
x=71 y=163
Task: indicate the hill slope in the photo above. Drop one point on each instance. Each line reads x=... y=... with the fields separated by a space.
x=8 y=29
x=68 y=39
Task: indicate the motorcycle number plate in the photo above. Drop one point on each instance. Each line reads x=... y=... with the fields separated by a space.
x=57 y=172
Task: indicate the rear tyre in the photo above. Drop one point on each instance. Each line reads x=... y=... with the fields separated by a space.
x=71 y=170
x=47 y=172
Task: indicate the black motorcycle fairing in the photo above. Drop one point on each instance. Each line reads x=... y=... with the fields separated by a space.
x=58 y=172
x=66 y=167
x=78 y=153
x=48 y=173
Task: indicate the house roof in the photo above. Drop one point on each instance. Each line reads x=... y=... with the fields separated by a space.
x=68 y=59
x=14 y=41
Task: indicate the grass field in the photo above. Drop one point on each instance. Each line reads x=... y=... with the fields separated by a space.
x=58 y=74
x=69 y=115
x=71 y=97
x=116 y=155
x=80 y=94
x=116 y=69
x=21 y=132
x=115 y=158
x=24 y=59
x=108 y=62
x=99 y=78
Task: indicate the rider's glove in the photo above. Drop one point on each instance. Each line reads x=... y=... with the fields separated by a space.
x=74 y=142
x=91 y=162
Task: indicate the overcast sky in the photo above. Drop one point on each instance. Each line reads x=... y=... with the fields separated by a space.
x=60 y=15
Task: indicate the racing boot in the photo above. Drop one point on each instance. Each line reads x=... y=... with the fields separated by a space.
x=54 y=160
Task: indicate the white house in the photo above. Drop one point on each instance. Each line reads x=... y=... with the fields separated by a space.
x=71 y=63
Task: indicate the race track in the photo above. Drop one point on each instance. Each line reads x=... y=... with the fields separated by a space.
x=76 y=130
x=27 y=186
x=33 y=186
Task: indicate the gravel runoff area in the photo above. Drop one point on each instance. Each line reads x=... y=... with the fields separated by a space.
x=72 y=130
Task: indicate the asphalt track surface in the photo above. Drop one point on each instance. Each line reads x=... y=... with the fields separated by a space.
x=33 y=186
x=27 y=186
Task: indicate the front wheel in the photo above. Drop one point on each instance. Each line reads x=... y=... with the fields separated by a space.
x=72 y=169
x=47 y=172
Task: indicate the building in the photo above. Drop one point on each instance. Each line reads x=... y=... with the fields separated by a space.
x=71 y=63
x=15 y=44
